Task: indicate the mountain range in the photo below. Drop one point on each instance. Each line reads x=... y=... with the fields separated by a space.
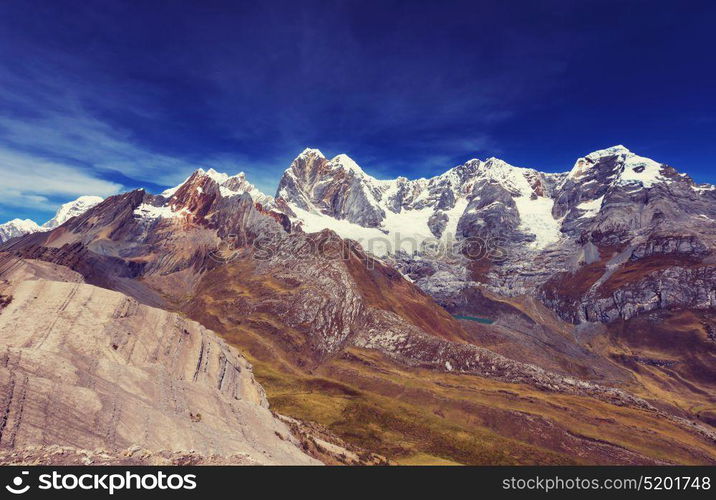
x=491 y=314
x=21 y=227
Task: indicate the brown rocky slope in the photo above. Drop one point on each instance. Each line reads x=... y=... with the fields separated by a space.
x=91 y=369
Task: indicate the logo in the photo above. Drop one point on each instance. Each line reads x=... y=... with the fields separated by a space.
x=17 y=482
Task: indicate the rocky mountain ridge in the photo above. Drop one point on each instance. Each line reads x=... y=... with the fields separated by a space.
x=604 y=216
x=612 y=209
x=525 y=206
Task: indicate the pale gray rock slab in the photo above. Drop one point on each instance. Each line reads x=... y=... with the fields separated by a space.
x=91 y=368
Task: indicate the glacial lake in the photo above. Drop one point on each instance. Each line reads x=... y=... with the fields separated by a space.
x=485 y=321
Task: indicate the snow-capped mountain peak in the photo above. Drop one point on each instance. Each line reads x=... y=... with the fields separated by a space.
x=611 y=151
x=339 y=195
x=345 y=162
x=18 y=227
x=583 y=164
x=72 y=209
x=479 y=197
x=219 y=178
x=617 y=165
x=229 y=185
x=311 y=152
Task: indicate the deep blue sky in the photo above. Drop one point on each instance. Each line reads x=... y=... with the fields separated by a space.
x=102 y=96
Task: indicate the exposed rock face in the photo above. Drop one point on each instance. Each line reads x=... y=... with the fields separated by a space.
x=323 y=299
x=137 y=234
x=13 y=271
x=347 y=195
x=409 y=345
x=685 y=245
x=437 y=223
x=669 y=288
x=89 y=368
x=612 y=193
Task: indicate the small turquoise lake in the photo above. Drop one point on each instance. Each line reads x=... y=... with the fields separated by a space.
x=484 y=321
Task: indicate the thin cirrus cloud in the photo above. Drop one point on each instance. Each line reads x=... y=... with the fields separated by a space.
x=48 y=119
x=56 y=124
x=36 y=184
x=53 y=149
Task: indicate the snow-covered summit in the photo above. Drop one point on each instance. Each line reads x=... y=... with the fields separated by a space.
x=617 y=165
x=18 y=227
x=311 y=152
x=219 y=177
x=338 y=194
x=72 y=209
x=345 y=162
x=611 y=151
x=229 y=185
x=475 y=197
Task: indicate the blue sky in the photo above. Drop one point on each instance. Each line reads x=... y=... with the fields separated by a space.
x=100 y=97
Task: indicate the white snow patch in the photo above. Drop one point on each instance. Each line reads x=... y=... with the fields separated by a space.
x=405 y=231
x=312 y=151
x=536 y=218
x=24 y=224
x=168 y=193
x=17 y=227
x=454 y=215
x=347 y=163
x=146 y=211
x=314 y=222
x=638 y=169
x=218 y=177
x=591 y=208
x=614 y=150
x=510 y=177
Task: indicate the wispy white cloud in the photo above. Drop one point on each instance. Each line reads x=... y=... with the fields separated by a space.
x=30 y=183
x=51 y=114
x=90 y=141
